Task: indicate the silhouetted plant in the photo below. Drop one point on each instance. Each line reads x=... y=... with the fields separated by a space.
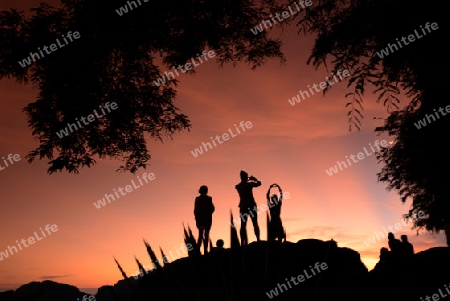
x=234 y=239
x=164 y=257
x=152 y=255
x=189 y=239
x=140 y=266
x=350 y=35
x=121 y=270
x=415 y=162
x=121 y=67
x=124 y=274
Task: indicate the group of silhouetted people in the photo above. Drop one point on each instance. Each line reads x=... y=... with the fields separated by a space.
x=400 y=251
x=400 y=248
x=204 y=208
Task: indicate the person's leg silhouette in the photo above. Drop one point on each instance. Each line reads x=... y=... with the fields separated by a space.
x=255 y=226
x=205 y=242
x=200 y=237
x=243 y=230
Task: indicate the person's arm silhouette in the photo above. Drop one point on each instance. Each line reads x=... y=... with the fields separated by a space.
x=279 y=190
x=281 y=193
x=212 y=205
x=255 y=182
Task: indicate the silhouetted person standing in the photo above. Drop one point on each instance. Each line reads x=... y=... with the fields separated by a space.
x=394 y=244
x=203 y=211
x=275 y=225
x=407 y=247
x=247 y=204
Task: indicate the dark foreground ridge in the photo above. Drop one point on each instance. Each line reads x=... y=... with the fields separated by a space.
x=264 y=271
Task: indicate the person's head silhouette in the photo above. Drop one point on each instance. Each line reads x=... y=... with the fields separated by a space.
x=219 y=243
x=244 y=175
x=203 y=190
x=404 y=238
x=391 y=235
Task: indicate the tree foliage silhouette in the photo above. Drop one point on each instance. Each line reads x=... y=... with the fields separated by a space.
x=116 y=59
x=417 y=164
x=350 y=35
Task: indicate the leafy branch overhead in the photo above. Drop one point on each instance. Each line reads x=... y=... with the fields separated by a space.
x=351 y=34
x=116 y=59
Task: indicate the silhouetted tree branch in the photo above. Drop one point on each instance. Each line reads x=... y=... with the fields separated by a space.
x=116 y=59
x=351 y=35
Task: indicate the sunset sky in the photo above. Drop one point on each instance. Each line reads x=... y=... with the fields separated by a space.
x=288 y=145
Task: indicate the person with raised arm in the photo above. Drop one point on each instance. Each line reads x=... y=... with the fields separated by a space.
x=275 y=226
x=247 y=204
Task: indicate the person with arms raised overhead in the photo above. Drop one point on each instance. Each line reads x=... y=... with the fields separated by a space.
x=247 y=204
x=203 y=211
x=275 y=227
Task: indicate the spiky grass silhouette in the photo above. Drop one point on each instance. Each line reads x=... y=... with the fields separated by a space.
x=127 y=279
x=152 y=255
x=190 y=239
x=121 y=270
x=141 y=267
x=164 y=257
x=230 y=286
x=233 y=234
x=232 y=270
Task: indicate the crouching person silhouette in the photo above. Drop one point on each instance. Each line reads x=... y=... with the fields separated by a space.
x=247 y=201
x=275 y=226
x=203 y=211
